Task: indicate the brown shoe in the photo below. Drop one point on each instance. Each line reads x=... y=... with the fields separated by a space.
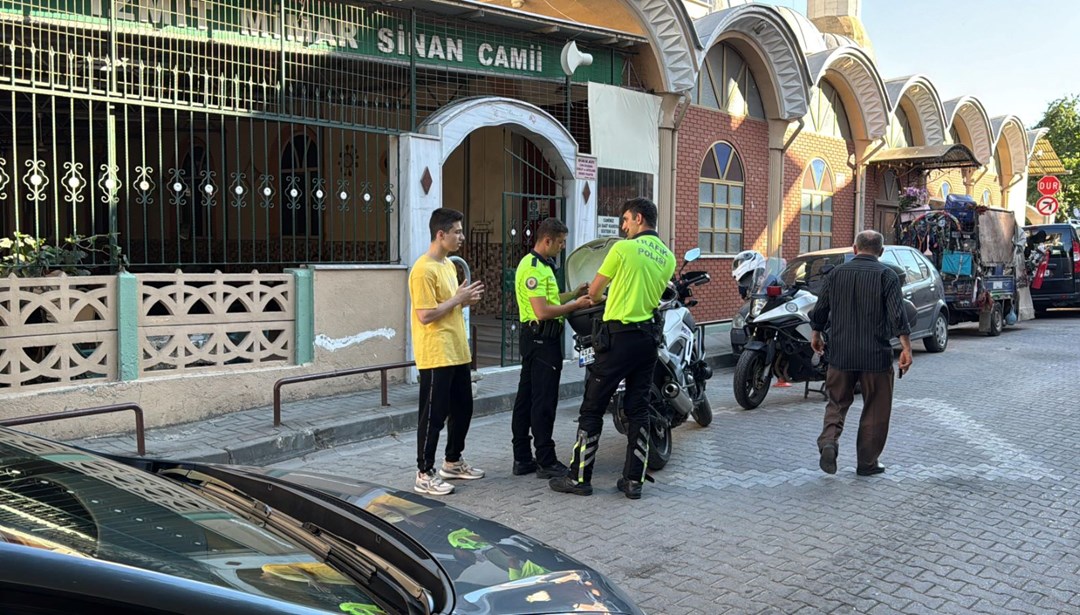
x=827 y=463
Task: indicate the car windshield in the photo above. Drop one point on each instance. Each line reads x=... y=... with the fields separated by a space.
x=808 y=269
x=55 y=498
x=1052 y=241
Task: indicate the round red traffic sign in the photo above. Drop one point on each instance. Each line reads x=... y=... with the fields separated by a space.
x=1049 y=185
x=1047 y=205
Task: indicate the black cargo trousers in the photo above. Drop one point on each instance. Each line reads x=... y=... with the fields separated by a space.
x=631 y=355
x=537 y=397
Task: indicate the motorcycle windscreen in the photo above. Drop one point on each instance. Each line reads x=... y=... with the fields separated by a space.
x=583 y=263
x=766 y=275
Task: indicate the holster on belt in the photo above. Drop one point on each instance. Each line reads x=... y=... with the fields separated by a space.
x=601 y=335
x=546 y=329
x=651 y=327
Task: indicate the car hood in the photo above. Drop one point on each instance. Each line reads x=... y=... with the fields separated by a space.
x=493 y=568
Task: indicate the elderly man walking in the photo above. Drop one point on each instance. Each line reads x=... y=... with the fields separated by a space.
x=861 y=307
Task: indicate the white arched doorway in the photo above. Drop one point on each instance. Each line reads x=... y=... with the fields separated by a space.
x=506 y=165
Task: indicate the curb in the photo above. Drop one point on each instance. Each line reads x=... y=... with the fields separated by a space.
x=374 y=423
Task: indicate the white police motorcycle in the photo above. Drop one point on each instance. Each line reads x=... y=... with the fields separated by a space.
x=778 y=332
x=678 y=389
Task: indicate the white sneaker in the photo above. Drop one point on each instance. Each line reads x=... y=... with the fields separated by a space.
x=431 y=484
x=461 y=469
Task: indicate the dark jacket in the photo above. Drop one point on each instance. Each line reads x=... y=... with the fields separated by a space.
x=861 y=305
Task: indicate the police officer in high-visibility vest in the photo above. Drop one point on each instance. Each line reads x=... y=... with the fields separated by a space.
x=541 y=308
x=625 y=345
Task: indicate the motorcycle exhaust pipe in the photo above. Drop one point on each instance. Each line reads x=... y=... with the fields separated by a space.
x=678 y=398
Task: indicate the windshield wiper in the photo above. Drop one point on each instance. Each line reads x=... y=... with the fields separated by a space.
x=388 y=585
x=366 y=569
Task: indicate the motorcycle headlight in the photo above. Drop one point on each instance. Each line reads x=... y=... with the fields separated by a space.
x=756 y=306
x=739 y=321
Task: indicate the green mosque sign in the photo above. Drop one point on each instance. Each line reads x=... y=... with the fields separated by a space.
x=324 y=26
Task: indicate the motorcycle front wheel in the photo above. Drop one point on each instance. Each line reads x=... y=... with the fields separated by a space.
x=752 y=379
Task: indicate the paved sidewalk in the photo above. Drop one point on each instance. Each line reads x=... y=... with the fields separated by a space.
x=249 y=437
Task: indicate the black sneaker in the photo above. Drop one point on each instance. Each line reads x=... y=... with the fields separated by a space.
x=631 y=488
x=877 y=468
x=522 y=468
x=565 y=484
x=828 y=458
x=555 y=470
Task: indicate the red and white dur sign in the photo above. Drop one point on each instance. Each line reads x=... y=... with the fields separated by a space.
x=1049 y=185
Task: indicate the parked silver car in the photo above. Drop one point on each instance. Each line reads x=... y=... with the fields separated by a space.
x=922 y=286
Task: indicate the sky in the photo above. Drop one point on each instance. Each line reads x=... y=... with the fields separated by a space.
x=1015 y=57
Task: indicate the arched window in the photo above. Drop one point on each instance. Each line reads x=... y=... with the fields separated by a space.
x=889 y=188
x=946 y=189
x=815 y=219
x=900 y=134
x=954 y=136
x=302 y=193
x=995 y=162
x=720 y=201
x=986 y=197
x=827 y=113
x=726 y=83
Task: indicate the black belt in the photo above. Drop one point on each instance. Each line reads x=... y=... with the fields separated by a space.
x=615 y=326
x=547 y=329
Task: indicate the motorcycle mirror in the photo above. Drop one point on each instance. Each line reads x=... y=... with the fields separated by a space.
x=692 y=254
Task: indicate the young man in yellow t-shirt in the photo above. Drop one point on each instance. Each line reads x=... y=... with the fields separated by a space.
x=442 y=355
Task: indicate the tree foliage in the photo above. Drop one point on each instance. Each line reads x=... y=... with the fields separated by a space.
x=1062 y=121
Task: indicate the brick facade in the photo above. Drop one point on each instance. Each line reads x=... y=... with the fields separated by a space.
x=700 y=129
x=836 y=153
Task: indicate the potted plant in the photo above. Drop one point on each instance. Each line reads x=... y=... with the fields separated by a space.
x=26 y=256
x=913 y=197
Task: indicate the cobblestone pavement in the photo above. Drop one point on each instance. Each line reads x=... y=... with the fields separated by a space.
x=977 y=512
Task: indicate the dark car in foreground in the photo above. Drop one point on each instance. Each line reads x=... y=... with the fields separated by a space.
x=922 y=286
x=1059 y=283
x=86 y=533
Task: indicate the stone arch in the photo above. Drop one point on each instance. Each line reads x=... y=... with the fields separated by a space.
x=454 y=122
x=1033 y=137
x=1010 y=128
x=851 y=71
x=973 y=116
x=771 y=49
x=673 y=39
x=924 y=100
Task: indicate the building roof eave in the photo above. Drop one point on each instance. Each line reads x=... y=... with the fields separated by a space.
x=942 y=156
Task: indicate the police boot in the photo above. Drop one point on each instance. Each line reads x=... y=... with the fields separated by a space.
x=579 y=479
x=631 y=488
x=637 y=458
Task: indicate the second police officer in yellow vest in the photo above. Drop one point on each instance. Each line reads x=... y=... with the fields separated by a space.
x=541 y=308
x=638 y=269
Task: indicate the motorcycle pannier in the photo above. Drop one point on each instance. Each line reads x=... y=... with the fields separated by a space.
x=581 y=321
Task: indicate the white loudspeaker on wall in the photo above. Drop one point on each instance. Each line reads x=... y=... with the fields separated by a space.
x=573 y=58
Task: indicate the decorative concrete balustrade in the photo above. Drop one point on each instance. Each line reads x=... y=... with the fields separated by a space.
x=63 y=331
